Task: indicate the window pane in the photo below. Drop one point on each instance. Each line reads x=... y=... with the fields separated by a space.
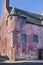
x=23 y=21
x=7 y=23
x=11 y=18
x=0 y=27
x=4 y=50
x=0 y=38
x=35 y=38
x=23 y=38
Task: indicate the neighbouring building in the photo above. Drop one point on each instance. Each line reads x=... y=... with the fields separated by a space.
x=21 y=33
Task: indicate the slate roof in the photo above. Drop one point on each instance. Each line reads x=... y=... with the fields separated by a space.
x=13 y=11
x=31 y=17
x=9 y=9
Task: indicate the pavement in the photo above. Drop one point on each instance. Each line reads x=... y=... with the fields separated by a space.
x=30 y=61
x=22 y=62
x=3 y=58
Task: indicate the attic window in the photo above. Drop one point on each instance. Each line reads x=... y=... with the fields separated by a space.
x=11 y=17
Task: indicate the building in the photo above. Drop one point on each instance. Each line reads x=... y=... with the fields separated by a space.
x=21 y=33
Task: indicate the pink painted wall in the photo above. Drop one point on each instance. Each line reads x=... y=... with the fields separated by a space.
x=31 y=29
x=29 y=47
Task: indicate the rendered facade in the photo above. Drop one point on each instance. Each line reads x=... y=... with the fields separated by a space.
x=21 y=33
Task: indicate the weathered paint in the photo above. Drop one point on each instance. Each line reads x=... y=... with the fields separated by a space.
x=11 y=41
x=25 y=48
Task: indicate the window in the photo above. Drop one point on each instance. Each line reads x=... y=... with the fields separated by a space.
x=7 y=23
x=4 y=50
x=0 y=28
x=23 y=21
x=23 y=37
x=11 y=17
x=35 y=38
x=0 y=38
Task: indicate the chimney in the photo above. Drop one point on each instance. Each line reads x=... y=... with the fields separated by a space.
x=6 y=4
x=5 y=9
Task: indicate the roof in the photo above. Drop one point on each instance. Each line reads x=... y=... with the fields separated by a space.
x=31 y=17
x=13 y=11
x=9 y=9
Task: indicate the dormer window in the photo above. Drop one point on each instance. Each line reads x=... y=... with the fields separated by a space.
x=11 y=17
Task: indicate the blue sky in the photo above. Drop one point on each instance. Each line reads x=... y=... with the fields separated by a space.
x=34 y=6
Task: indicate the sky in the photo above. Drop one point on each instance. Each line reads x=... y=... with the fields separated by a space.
x=34 y=6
